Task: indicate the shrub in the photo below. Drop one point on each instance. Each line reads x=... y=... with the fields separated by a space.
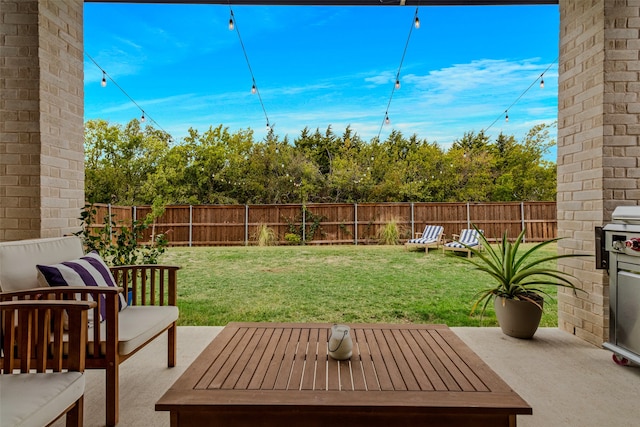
x=390 y=233
x=312 y=223
x=292 y=239
x=118 y=244
x=265 y=236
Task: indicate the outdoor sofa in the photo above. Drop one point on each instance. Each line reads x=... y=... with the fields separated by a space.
x=118 y=326
x=35 y=390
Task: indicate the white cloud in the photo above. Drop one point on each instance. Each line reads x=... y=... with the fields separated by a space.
x=439 y=106
x=383 y=78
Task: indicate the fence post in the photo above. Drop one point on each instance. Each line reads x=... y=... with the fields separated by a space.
x=524 y=239
x=413 y=232
x=355 y=223
x=246 y=225
x=190 y=225
x=468 y=216
x=110 y=229
x=304 y=223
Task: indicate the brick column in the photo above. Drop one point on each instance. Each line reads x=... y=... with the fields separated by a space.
x=598 y=144
x=41 y=118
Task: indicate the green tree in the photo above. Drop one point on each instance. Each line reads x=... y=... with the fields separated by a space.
x=120 y=159
x=128 y=164
x=521 y=171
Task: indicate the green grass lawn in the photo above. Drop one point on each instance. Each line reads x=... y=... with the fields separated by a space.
x=334 y=284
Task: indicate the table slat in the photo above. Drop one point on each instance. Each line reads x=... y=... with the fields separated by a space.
x=277 y=360
x=369 y=373
x=220 y=361
x=263 y=365
x=323 y=356
x=287 y=362
x=300 y=359
x=384 y=379
x=433 y=354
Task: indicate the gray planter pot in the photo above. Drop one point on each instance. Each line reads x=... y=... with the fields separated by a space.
x=518 y=319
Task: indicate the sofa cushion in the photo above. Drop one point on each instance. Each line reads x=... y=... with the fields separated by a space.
x=137 y=325
x=89 y=270
x=18 y=259
x=38 y=399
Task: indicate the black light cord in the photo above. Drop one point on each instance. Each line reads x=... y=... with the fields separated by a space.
x=246 y=57
x=404 y=52
x=506 y=112
x=145 y=115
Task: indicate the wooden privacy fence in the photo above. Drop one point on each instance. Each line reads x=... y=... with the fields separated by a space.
x=337 y=223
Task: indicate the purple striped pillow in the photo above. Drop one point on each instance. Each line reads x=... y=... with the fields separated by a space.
x=89 y=270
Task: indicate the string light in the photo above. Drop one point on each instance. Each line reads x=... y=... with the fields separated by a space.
x=144 y=115
x=521 y=95
x=415 y=23
x=254 y=88
x=231 y=25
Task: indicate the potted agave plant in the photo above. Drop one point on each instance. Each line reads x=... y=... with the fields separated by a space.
x=518 y=290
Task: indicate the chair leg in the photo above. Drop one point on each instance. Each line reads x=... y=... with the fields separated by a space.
x=75 y=416
x=112 y=378
x=172 y=345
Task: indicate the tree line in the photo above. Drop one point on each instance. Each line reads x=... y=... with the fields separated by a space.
x=130 y=164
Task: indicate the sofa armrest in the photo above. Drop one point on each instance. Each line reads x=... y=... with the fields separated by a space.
x=34 y=329
x=149 y=284
x=106 y=299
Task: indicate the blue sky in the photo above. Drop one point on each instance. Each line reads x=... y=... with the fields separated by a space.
x=321 y=66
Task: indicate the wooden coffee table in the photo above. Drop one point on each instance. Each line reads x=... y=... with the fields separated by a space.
x=279 y=374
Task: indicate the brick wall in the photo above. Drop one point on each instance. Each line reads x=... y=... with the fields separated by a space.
x=42 y=108
x=61 y=116
x=598 y=140
x=19 y=121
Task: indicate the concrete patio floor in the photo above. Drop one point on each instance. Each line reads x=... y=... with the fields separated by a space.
x=566 y=381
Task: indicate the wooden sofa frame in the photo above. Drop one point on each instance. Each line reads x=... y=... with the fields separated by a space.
x=34 y=333
x=149 y=285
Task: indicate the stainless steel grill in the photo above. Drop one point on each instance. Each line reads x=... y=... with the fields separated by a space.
x=620 y=243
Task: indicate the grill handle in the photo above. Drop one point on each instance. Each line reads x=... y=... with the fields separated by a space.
x=602 y=255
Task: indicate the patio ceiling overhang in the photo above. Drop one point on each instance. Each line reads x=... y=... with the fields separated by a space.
x=343 y=2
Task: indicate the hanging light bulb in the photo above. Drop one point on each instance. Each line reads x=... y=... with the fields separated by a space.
x=397 y=83
x=142 y=119
x=231 y=25
x=386 y=119
x=103 y=83
x=416 y=23
x=269 y=128
x=541 y=83
x=506 y=117
x=254 y=89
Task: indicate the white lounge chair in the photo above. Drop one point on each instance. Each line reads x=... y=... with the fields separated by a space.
x=431 y=237
x=461 y=242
